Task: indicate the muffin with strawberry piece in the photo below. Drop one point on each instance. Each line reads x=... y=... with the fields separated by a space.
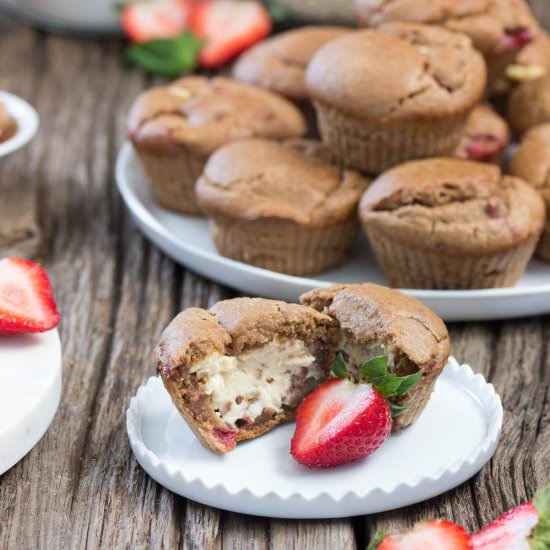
x=414 y=103
x=486 y=136
x=375 y=322
x=241 y=368
x=499 y=29
x=175 y=128
x=452 y=224
x=532 y=163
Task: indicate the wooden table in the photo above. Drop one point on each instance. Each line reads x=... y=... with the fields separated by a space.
x=81 y=487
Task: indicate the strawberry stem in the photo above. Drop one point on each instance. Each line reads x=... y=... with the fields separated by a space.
x=540 y=539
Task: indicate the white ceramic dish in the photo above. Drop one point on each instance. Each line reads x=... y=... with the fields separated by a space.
x=30 y=389
x=186 y=240
x=27 y=122
x=455 y=436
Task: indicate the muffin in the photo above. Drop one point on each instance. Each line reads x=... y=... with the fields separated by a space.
x=414 y=104
x=529 y=99
x=279 y=64
x=372 y=321
x=280 y=207
x=451 y=224
x=499 y=29
x=532 y=163
x=8 y=126
x=241 y=368
x=174 y=129
x=486 y=136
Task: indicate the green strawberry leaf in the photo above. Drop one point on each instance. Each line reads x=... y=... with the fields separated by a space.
x=374 y=368
x=540 y=539
x=340 y=369
x=388 y=386
x=377 y=540
x=407 y=382
x=397 y=410
x=167 y=56
x=277 y=12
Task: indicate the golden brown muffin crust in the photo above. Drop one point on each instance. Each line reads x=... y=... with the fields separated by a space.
x=367 y=312
x=257 y=179
x=426 y=72
x=486 y=22
x=8 y=125
x=203 y=114
x=457 y=206
x=532 y=160
x=487 y=130
x=279 y=63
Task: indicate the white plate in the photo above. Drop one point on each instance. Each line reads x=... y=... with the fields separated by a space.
x=455 y=436
x=30 y=389
x=27 y=122
x=186 y=240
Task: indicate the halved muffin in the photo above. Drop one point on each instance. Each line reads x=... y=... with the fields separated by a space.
x=374 y=320
x=241 y=368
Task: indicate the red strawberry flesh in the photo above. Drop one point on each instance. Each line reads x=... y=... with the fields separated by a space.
x=510 y=531
x=26 y=298
x=229 y=27
x=516 y=38
x=340 y=422
x=429 y=535
x=484 y=147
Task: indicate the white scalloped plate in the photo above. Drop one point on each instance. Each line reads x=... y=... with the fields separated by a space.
x=187 y=241
x=30 y=390
x=27 y=122
x=455 y=436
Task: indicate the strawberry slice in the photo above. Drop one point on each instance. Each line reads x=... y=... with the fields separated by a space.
x=430 y=535
x=229 y=27
x=525 y=527
x=149 y=19
x=342 y=421
x=26 y=299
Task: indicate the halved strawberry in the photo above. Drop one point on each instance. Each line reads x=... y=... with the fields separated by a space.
x=148 y=19
x=229 y=27
x=26 y=300
x=434 y=534
x=342 y=421
x=525 y=527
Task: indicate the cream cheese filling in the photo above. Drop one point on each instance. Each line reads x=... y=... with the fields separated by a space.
x=242 y=387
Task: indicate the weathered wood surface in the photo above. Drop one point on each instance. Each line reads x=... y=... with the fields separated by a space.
x=81 y=487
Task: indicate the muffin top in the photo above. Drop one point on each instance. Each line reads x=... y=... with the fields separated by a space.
x=485 y=137
x=203 y=114
x=493 y=25
x=258 y=179
x=368 y=312
x=452 y=205
x=279 y=63
x=426 y=72
x=232 y=327
x=532 y=160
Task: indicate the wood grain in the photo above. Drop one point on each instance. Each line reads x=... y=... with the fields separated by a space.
x=81 y=487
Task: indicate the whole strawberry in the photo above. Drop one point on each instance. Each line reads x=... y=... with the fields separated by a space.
x=342 y=421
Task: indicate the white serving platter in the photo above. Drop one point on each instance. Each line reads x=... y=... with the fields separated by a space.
x=30 y=390
x=186 y=239
x=455 y=436
x=27 y=122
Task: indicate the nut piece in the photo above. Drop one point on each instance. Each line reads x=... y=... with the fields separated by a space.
x=180 y=91
x=521 y=73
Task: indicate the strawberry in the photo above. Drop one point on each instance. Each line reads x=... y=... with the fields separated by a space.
x=148 y=19
x=342 y=421
x=516 y=38
x=26 y=299
x=436 y=534
x=525 y=527
x=229 y=27
x=484 y=147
